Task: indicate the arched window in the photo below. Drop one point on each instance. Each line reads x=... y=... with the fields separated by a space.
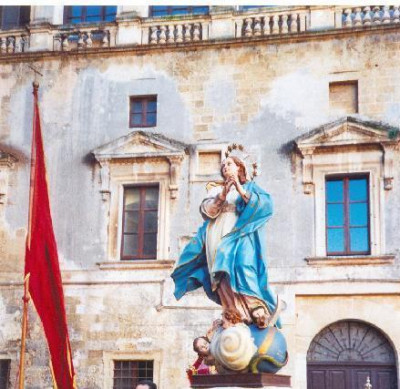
x=345 y=353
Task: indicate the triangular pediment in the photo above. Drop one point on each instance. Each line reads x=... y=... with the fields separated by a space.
x=140 y=144
x=349 y=131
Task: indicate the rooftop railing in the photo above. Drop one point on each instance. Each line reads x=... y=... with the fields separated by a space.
x=175 y=30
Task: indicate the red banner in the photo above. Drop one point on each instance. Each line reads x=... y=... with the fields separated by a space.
x=42 y=269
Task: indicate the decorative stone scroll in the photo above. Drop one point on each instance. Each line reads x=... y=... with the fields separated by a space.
x=7 y=162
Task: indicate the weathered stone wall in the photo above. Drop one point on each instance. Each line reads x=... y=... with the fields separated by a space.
x=262 y=95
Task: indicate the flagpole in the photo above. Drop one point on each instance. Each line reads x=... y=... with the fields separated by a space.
x=23 y=337
x=26 y=296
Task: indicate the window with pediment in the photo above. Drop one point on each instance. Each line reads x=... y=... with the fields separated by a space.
x=139 y=183
x=347 y=166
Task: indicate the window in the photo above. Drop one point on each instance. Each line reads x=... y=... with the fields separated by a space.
x=94 y=13
x=347 y=215
x=143 y=111
x=159 y=11
x=4 y=373
x=140 y=222
x=343 y=96
x=128 y=373
x=14 y=17
x=348 y=168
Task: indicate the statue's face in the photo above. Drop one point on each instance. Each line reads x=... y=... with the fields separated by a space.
x=229 y=168
x=202 y=346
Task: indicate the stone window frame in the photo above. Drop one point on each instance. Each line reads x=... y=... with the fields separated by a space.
x=194 y=161
x=352 y=82
x=138 y=158
x=376 y=214
x=373 y=156
x=116 y=213
x=110 y=356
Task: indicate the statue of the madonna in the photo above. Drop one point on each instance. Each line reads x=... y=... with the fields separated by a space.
x=227 y=256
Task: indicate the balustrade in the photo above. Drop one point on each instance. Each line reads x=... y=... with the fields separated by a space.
x=251 y=23
x=176 y=33
x=271 y=23
x=80 y=40
x=370 y=16
x=10 y=44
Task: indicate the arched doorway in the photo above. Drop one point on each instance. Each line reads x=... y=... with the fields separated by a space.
x=345 y=353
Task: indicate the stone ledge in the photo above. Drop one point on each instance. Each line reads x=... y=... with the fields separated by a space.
x=247 y=380
x=166 y=264
x=351 y=260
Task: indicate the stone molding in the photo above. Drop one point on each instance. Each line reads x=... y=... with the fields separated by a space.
x=160 y=264
x=346 y=134
x=139 y=158
x=351 y=260
x=346 y=146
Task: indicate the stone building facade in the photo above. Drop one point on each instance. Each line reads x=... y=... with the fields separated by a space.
x=137 y=103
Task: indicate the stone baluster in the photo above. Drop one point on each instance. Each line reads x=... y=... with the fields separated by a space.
x=170 y=34
x=376 y=18
x=163 y=35
x=3 y=45
x=285 y=25
x=17 y=44
x=357 y=17
x=179 y=33
x=81 y=43
x=396 y=15
x=367 y=16
x=10 y=44
x=153 y=35
x=247 y=27
x=386 y=15
x=257 y=26
x=265 y=26
x=196 y=32
x=89 y=41
x=302 y=19
x=275 y=24
x=347 y=18
x=65 y=43
x=293 y=23
x=106 y=39
x=188 y=33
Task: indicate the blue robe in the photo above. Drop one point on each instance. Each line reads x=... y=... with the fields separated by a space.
x=240 y=254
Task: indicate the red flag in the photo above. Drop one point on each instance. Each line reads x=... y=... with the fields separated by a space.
x=42 y=270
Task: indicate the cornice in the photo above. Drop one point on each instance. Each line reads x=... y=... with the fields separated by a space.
x=203 y=45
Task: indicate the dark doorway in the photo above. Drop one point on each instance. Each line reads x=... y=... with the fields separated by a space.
x=344 y=354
